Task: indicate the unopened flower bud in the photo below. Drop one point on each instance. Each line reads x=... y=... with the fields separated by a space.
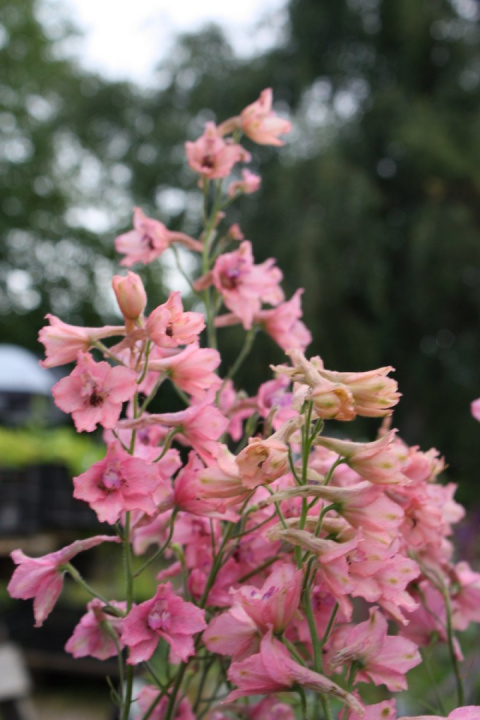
x=130 y=294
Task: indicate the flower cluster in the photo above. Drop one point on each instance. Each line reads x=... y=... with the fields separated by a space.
x=293 y=566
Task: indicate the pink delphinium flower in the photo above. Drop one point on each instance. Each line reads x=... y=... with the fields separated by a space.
x=374 y=393
x=191 y=369
x=244 y=285
x=199 y=425
x=91 y=636
x=264 y=460
x=213 y=157
x=169 y=326
x=118 y=483
x=382 y=658
x=42 y=578
x=187 y=493
x=273 y=670
x=94 y=393
x=233 y=633
x=165 y=616
x=248 y=184
x=63 y=342
x=261 y=124
x=221 y=479
x=238 y=631
x=378 y=461
x=283 y=324
x=149 y=239
x=276 y=602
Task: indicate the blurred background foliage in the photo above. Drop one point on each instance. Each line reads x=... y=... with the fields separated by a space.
x=372 y=207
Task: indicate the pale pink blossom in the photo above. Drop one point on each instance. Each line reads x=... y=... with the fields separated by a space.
x=222 y=479
x=187 y=493
x=63 y=342
x=273 y=670
x=378 y=461
x=93 y=635
x=165 y=616
x=213 y=157
x=276 y=602
x=333 y=560
x=149 y=239
x=199 y=425
x=261 y=124
x=382 y=659
x=191 y=369
x=94 y=393
x=118 y=483
x=248 y=184
x=342 y=395
x=262 y=461
x=374 y=393
x=283 y=323
x=244 y=285
x=42 y=578
x=130 y=294
x=169 y=326
x=233 y=633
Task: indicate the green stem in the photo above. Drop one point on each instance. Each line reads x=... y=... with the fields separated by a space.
x=75 y=575
x=329 y=626
x=173 y=697
x=451 y=647
x=127 y=561
x=433 y=683
x=158 y=552
x=247 y=346
x=153 y=704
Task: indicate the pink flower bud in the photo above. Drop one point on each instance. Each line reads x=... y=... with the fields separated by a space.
x=130 y=294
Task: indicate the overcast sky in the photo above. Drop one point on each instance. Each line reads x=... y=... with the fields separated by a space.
x=125 y=40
